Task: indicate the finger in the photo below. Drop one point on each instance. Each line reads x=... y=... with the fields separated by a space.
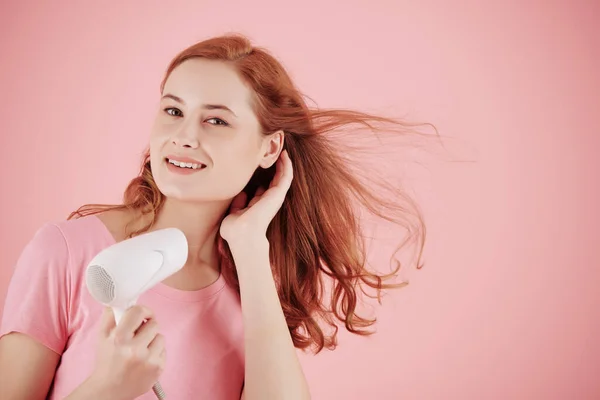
x=283 y=178
x=157 y=353
x=278 y=171
x=131 y=322
x=146 y=334
x=162 y=357
x=159 y=360
x=273 y=197
x=107 y=322
x=286 y=170
x=156 y=348
x=238 y=202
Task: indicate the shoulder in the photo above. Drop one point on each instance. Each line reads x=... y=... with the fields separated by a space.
x=76 y=232
x=67 y=239
x=108 y=225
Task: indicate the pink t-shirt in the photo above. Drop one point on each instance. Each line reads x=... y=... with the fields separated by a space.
x=48 y=300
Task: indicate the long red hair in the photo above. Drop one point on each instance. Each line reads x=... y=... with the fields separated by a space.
x=316 y=238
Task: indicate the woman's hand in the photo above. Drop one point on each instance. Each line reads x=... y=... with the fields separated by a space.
x=131 y=356
x=251 y=222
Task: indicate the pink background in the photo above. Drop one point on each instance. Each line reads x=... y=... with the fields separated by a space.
x=507 y=305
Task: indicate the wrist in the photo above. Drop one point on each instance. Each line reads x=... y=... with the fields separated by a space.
x=95 y=388
x=249 y=247
x=252 y=259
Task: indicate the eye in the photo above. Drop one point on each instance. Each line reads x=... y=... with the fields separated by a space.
x=217 y=121
x=174 y=112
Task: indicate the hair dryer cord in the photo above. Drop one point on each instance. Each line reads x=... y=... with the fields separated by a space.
x=158 y=391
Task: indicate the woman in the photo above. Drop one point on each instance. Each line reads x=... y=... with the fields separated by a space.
x=241 y=165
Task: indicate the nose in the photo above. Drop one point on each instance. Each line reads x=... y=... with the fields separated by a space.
x=187 y=136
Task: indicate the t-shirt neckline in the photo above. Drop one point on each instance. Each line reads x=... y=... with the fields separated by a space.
x=165 y=290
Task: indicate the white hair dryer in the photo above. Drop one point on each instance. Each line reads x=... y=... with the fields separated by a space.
x=119 y=274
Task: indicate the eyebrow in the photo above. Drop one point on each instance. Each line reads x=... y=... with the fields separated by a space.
x=205 y=106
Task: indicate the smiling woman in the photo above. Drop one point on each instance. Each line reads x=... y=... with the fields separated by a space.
x=210 y=122
x=245 y=169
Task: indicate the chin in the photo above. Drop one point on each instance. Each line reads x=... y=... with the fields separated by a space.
x=184 y=195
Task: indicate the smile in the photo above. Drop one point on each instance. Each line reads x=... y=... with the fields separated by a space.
x=185 y=164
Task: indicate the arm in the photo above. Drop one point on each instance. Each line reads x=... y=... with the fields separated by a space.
x=27 y=369
x=273 y=370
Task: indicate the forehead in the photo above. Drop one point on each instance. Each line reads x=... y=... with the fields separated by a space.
x=200 y=81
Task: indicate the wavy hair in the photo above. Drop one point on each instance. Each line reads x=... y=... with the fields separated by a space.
x=316 y=237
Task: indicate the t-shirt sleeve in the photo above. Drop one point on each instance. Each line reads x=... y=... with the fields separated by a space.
x=37 y=301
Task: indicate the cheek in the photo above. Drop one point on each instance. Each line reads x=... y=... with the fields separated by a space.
x=246 y=154
x=158 y=135
x=237 y=165
x=159 y=132
x=156 y=145
x=157 y=140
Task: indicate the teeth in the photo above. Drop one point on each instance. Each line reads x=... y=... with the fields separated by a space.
x=185 y=165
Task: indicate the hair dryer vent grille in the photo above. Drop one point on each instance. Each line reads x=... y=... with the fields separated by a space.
x=100 y=284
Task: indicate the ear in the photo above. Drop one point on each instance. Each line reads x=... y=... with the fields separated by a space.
x=272 y=148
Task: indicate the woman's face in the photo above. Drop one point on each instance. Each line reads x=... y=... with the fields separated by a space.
x=206 y=141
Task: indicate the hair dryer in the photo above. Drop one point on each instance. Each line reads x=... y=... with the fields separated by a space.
x=119 y=274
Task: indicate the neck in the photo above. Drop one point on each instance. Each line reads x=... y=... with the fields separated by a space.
x=200 y=223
